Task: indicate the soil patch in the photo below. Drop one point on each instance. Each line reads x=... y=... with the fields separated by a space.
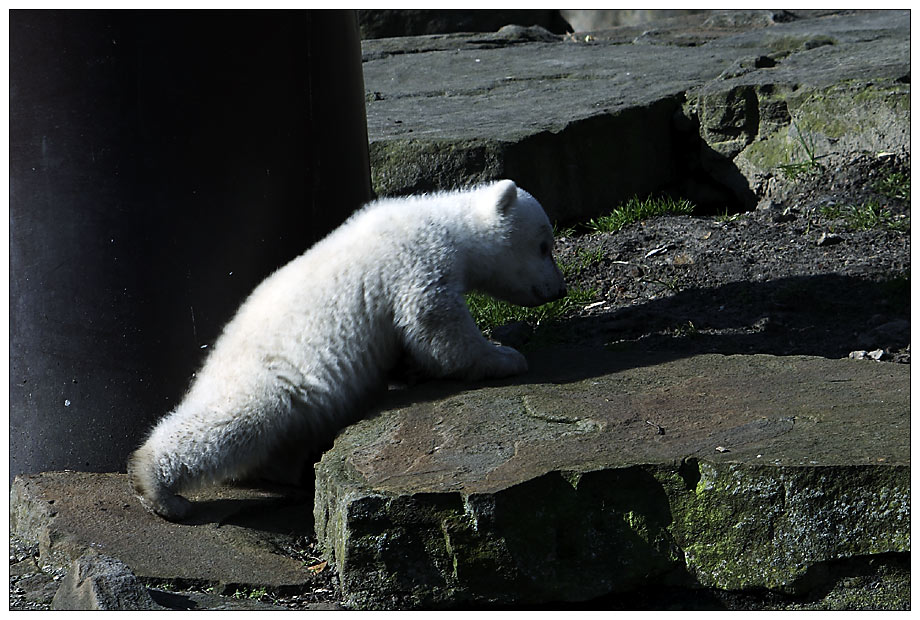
x=806 y=277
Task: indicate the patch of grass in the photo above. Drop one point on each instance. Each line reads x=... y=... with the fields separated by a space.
x=253 y=594
x=873 y=215
x=809 y=164
x=894 y=185
x=568 y=231
x=589 y=257
x=867 y=216
x=684 y=330
x=672 y=284
x=636 y=209
x=583 y=260
x=726 y=217
x=831 y=212
x=796 y=171
x=488 y=312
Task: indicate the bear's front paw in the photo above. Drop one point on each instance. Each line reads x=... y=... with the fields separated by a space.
x=503 y=362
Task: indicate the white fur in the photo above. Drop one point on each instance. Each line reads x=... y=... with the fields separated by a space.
x=319 y=335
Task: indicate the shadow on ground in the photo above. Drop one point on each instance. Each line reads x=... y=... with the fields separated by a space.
x=823 y=315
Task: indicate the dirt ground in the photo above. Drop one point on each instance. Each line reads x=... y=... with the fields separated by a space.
x=796 y=278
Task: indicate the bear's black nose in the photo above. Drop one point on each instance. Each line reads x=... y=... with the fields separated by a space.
x=545 y=299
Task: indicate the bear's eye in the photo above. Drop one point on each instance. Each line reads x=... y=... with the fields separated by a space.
x=544 y=249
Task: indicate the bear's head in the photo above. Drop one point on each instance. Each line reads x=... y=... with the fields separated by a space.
x=520 y=268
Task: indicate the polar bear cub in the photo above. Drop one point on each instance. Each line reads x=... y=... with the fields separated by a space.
x=318 y=336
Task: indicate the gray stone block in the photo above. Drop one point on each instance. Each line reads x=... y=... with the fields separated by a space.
x=100 y=582
x=720 y=111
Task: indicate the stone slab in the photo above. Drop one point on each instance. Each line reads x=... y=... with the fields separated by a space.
x=586 y=123
x=237 y=536
x=598 y=471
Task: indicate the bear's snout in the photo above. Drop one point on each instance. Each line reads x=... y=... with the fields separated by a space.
x=545 y=299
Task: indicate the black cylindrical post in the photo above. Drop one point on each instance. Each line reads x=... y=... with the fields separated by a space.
x=161 y=164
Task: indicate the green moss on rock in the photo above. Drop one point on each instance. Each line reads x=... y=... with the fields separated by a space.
x=749 y=527
x=802 y=126
x=732 y=527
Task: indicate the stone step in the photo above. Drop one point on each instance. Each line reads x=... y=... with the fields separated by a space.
x=597 y=473
x=237 y=536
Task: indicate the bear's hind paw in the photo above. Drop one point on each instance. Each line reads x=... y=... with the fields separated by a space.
x=170 y=507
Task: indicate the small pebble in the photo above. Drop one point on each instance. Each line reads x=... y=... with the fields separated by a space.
x=829 y=239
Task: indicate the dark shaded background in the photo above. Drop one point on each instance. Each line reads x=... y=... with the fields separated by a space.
x=162 y=164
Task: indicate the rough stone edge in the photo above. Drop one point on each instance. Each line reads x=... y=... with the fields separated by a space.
x=333 y=512
x=100 y=582
x=644 y=133
x=32 y=521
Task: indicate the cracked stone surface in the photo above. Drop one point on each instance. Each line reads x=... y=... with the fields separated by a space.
x=733 y=472
x=587 y=123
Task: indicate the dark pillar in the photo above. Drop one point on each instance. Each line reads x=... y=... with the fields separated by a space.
x=161 y=164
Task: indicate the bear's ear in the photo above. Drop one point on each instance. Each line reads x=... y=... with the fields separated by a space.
x=506 y=192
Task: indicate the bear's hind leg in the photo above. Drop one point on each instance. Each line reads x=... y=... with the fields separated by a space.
x=152 y=492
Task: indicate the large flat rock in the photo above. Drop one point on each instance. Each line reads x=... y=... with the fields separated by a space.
x=598 y=472
x=710 y=111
